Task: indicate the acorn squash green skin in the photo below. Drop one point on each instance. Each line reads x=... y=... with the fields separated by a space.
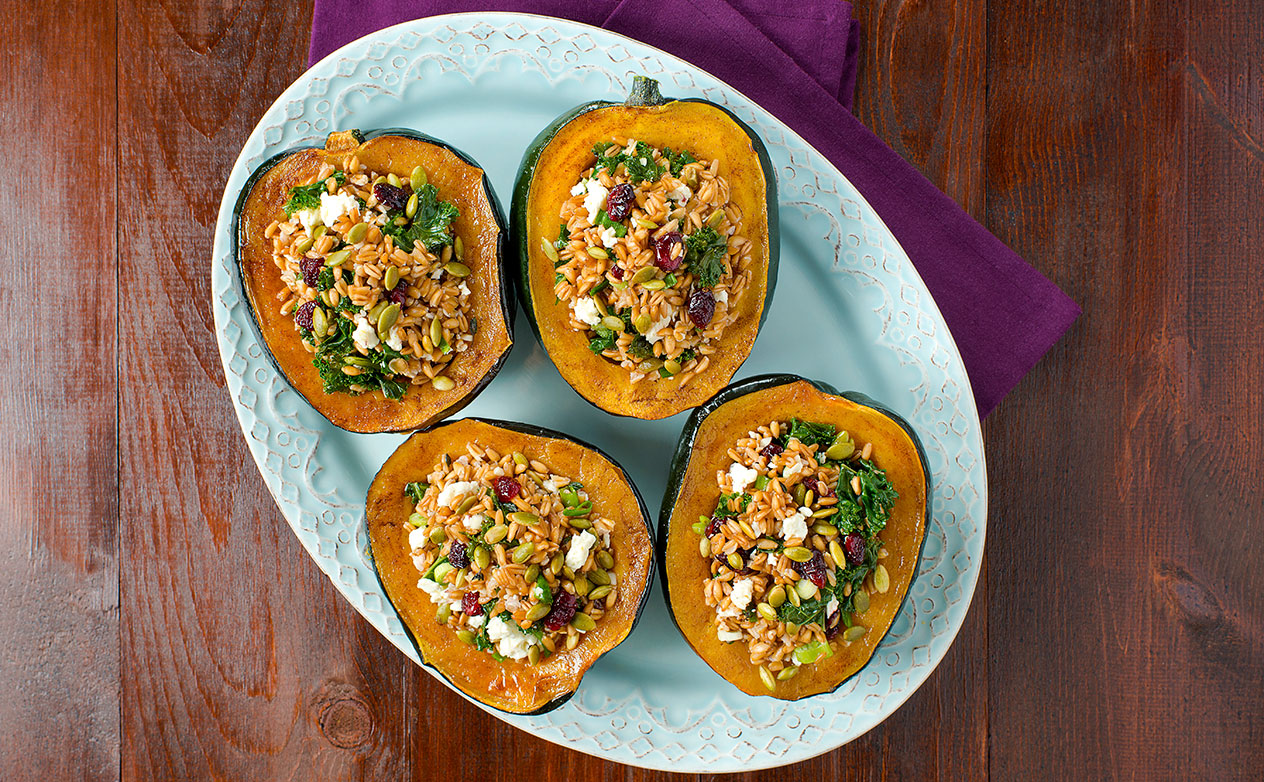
x=644 y=93
x=505 y=305
x=630 y=614
x=685 y=451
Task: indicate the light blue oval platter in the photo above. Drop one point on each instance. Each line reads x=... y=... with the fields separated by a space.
x=487 y=83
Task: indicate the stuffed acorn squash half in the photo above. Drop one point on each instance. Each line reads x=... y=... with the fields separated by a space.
x=372 y=269
x=791 y=531
x=646 y=233
x=515 y=556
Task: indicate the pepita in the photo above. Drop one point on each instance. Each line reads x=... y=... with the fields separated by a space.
x=777 y=596
x=388 y=317
x=642 y=323
x=533 y=655
x=376 y=311
x=769 y=682
x=436 y=331
x=459 y=247
x=704 y=547
x=805 y=589
x=642 y=274
x=338 y=258
x=596 y=593
x=437 y=536
x=357 y=232
x=394 y=180
x=482 y=558
x=854 y=633
x=715 y=218
x=613 y=323
x=798 y=553
x=390 y=278
x=860 y=601
x=672 y=366
x=792 y=628
x=417 y=179
x=881 y=579
x=524 y=518
x=792 y=595
x=555 y=564
x=599 y=576
x=798 y=492
x=523 y=552
x=572 y=640
x=735 y=561
x=581 y=586
x=441 y=572
x=359 y=361
x=787 y=673
x=746 y=529
x=443 y=614
x=567 y=573
x=537 y=612
x=583 y=622
x=550 y=251
x=605 y=559
x=653 y=285
x=457 y=269
x=836 y=553
x=398 y=365
x=767 y=611
x=416 y=520
x=465 y=637
x=520 y=458
x=318 y=232
x=410 y=208
x=466 y=504
x=597 y=252
x=302 y=247
x=578 y=522
x=320 y=324
x=460 y=578
x=442 y=383
x=645 y=223
x=533 y=573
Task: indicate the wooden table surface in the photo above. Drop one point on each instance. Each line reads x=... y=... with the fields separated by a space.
x=160 y=621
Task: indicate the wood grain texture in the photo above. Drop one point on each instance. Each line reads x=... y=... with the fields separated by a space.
x=161 y=622
x=59 y=699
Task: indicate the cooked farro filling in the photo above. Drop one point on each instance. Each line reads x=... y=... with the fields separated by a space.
x=650 y=259
x=374 y=279
x=795 y=543
x=516 y=557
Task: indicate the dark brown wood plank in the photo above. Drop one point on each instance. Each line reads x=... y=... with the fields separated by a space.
x=239 y=659
x=1125 y=602
x=58 y=462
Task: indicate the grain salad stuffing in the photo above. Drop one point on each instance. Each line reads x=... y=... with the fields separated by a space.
x=516 y=557
x=374 y=279
x=650 y=259
x=794 y=544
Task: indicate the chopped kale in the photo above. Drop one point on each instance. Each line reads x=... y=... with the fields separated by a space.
x=877 y=495
x=808 y=611
x=640 y=165
x=605 y=339
x=563 y=238
x=705 y=251
x=677 y=161
x=416 y=489
x=325 y=279
x=641 y=348
x=431 y=225
x=603 y=220
x=723 y=509
x=308 y=196
x=809 y=433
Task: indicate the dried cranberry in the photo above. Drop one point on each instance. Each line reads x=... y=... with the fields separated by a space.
x=303 y=315
x=311 y=270
x=665 y=256
x=470 y=605
x=619 y=202
x=854 y=548
x=819 y=486
x=391 y=197
x=832 y=625
x=701 y=307
x=772 y=449
x=616 y=272
x=457 y=556
x=397 y=294
x=813 y=569
x=713 y=527
x=506 y=488
x=562 y=612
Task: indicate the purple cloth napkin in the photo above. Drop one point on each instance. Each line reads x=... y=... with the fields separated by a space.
x=798 y=61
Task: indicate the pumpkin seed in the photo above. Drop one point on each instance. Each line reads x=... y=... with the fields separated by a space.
x=597 y=252
x=537 y=612
x=777 y=596
x=787 y=673
x=357 y=233
x=302 y=247
x=581 y=586
x=359 y=361
x=443 y=614
x=466 y=504
x=769 y=682
x=567 y=573
x=533 y=573
x=320 y=324
x=465 y=637
x=388 y=317
x=524 y=518
x=854 y=633
x=704 y=547
x=645 y=223
x=642 y=323
x=457 y=269
x=572 y=640
x=605 y=559
x=672 y=366
x=808 y=496
x=792 y=595
x=460 y=578
x=390 y=278
x=825 y=513
x=523 y=552
x=533 y=655
x=735 y=561
x=555 y=564
x=653 y=285
x=417 y=179
x=836 y=553
x=799 y=492
x=715 y=218
x=376 y=312
x=798 y=553
x=318 y=232
x=442 y=383
x=767 y=611
x=521 y=458
x=338 y=258
x=596 y=593
x=398 y=365
x=330 y=297
x=441 y=572
x=550 y=251
x=578 y=522
x=416 y=520
x=612 y=323
x=792 y=628
x=805 y=589
x=583 y=622
x=881 y=579
x=839 y=451
x=599 y=576
x=642 y=274
x=828 y=530
x=860 y=601
x=436 y=331
x=410 y=208
x=437 y=536
x=746 y=529
x=482 y=557
x=394 y=180
x=459 y=247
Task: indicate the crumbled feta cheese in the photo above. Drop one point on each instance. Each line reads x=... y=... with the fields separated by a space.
x=653 y=333
x=586 y=310
x=509 y=639
x=417 y=539
x=644 y=162
x=473 y=521
x=552 y=485
x=728 y=636
x=335 y=206
x=595 y=201
x=364 y=336
x=740 y=597
x=395 y=340
x=579 y=187
x=512 y=603
x=608 y=237
x=577 y=554
x=454 y=490
x=456 y=606
x=420 y=563
x=438 y=592
x=310 y=218
x=728 y=613
x=681 y=194
x=721 y=297
x=795 y=526
x=831 y=607
x=537 y=593
x=464 y=289
x=631 y=147
x=763 y=442
x=741 y=476
x=477 y=621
